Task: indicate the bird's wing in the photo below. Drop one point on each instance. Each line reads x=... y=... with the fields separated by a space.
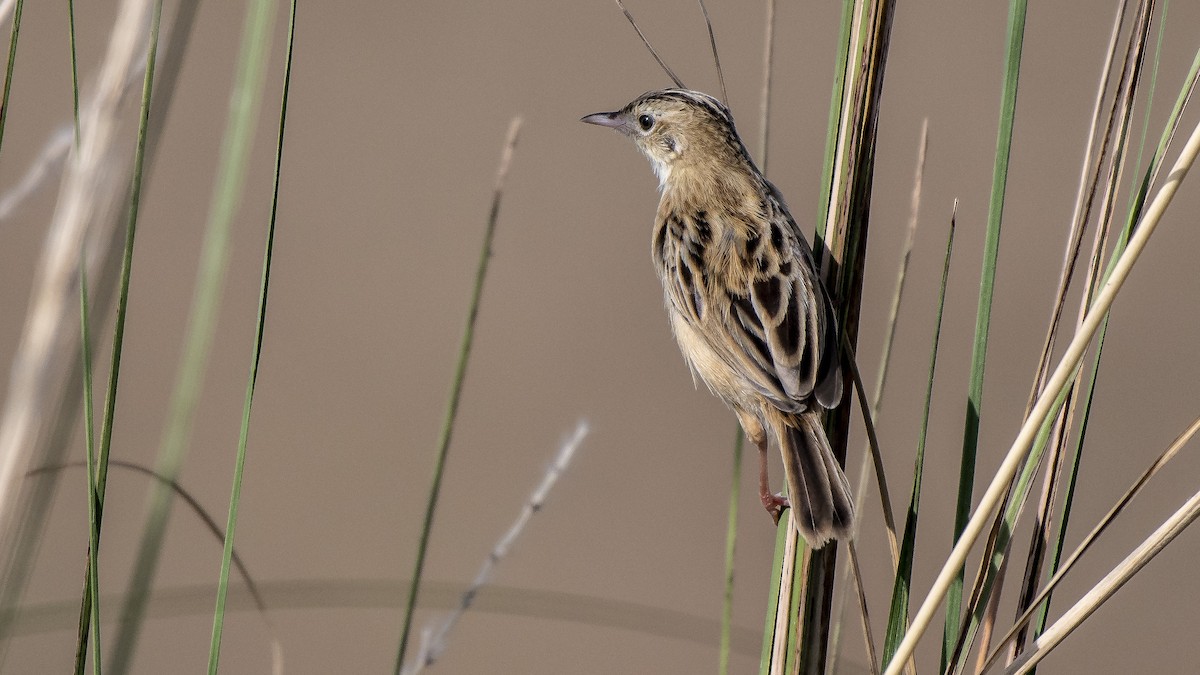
x=782 y=322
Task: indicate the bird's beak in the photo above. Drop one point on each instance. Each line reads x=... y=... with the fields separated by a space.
x=612 y=120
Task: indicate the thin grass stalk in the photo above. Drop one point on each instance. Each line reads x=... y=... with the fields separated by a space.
x=74 y=69
x=663 y=64
x=910 y=237
x=1005 y=526
x=108 y=208
x=1137 y=202
x=992 y=564
x=1037 y=607
x=98 y=473
x=860 y=493
x=43 y=392
x=1089 y=177
x=735 y=491
x=764 y=105
x=860 y=591
x=460 y=373
x=1123 y=105
x=14 y=34
x=1062 y=375
x=712 y=42
x=835 y=140
x=93 y=566
x=1136 y=191
x=784 y=588
x=901 y=588
x=833 y=132
x=1109 y=585
x=988 y=626
x=885 y=498
x=214 y=254
x=989 y=581
x=48 y=166
x=783 y=533
x=844 y=271
x=214 y=650
x=800 y=594
x=983 y=316
x=192 y=503
x=436 y=641
x=1168 y=135
x=252 y=589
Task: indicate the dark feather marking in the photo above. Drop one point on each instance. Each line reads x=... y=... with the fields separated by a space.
x=690 y=292
x=692 y=281
x=703 y=229
x=764 y=352
x=746 y=314
x=752 y=244
x=685 y=277
x=789 y=331
x=676 y=224
x=829 y=360
x=767 y=293
x=776 y=237
x=785 y=270
x=660 y=240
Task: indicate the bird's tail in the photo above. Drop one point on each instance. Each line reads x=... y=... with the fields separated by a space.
x=817 y=486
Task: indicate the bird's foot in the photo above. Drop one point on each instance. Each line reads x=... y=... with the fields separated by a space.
x=774 y=503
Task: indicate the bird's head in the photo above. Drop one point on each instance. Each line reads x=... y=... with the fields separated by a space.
x=677 y=129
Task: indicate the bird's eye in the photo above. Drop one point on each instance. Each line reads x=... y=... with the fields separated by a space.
x=645 y=122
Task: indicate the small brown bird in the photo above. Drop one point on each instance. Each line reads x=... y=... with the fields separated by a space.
x=747 y=307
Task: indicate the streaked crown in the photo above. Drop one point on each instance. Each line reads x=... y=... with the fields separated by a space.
x=678 y=128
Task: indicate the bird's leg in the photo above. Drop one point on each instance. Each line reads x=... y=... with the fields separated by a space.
x=772 y=502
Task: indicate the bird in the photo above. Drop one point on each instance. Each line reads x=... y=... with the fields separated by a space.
x=744 y=299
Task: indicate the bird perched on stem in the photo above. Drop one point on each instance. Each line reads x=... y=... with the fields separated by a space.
x=747 y=307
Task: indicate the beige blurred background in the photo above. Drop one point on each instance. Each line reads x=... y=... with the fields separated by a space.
x=396 y=122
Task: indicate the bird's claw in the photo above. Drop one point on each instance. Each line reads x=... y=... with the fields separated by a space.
x=775 y=504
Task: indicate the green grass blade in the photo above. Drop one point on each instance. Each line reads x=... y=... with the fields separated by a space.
x=832 y=133
x=99 y=472
x=991 y=249
x=885 y=359
x=12 y=58
x=1001 y=535
x=735 y=492
x=799 y=592
x=781 y=537
x=460 y=372
x=898 y=615
x=214 y=649
x=93 y=567
x=845 y=242
x=235 y=152
x=74 y=69
x=991 y=579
